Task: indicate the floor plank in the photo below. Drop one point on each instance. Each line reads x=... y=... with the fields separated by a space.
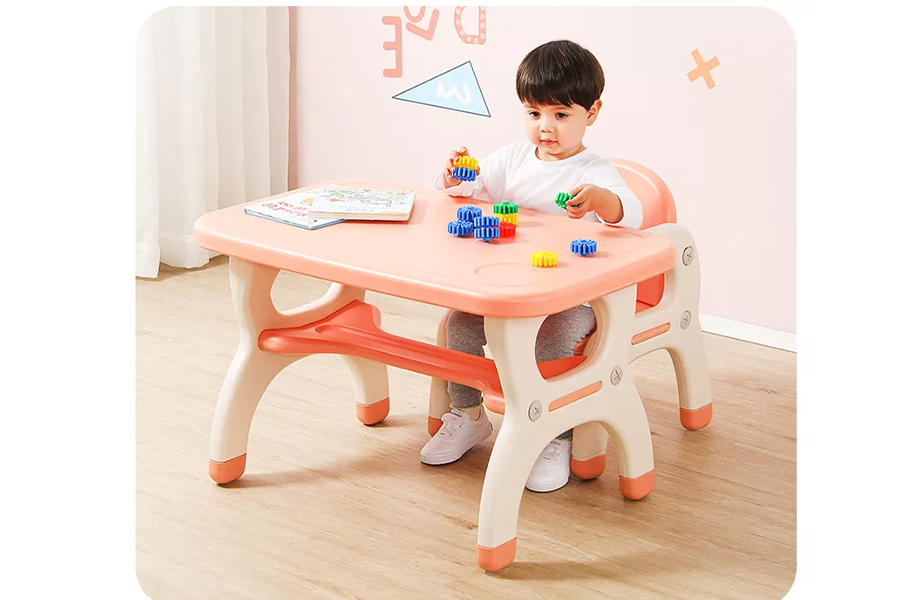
x=329 y=508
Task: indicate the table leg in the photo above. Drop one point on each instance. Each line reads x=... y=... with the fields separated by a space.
x=597 y=396
x=252 y=370
x=250 y=373
x=514 y=453
x=518 y=443
x=371 y=382
x=622 y=413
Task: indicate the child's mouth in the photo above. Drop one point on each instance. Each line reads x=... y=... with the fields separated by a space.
x=548 y=142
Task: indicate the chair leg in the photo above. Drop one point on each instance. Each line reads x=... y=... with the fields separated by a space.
x=372 y=390
x=439 y=398
x=589 y=450
x=684 y=341
x=692 y=374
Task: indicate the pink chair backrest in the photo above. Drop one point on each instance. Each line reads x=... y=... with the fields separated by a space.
x=658 y=207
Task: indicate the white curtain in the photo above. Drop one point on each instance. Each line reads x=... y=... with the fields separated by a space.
x=213 y=110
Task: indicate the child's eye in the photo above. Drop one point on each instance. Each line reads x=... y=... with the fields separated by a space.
x=561 y=115
x=534 y=114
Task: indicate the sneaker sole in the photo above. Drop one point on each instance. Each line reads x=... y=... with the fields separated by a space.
x=439 y=463
x=547 y=488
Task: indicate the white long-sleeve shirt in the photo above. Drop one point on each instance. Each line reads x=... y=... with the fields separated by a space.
x=515 y=174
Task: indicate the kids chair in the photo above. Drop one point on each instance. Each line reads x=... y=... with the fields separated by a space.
x=666 y=318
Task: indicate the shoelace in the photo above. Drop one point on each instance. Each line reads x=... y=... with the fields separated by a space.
x=452 y=423
x=552 y=451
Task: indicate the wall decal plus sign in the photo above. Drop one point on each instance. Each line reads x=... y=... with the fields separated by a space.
x=703 y=69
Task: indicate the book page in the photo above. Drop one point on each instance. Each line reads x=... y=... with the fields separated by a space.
x=362 y=201
x=292 y=209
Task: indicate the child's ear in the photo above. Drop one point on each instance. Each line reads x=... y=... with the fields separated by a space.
x=592 y=114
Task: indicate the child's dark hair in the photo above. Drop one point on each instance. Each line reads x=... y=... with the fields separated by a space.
x=560 y=72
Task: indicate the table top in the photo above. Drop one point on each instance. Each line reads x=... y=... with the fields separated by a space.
x=419 y=260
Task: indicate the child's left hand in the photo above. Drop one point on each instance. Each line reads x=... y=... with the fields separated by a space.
x=589 y=197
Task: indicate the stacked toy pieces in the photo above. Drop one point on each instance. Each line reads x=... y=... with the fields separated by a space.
x=465 y=221
x=487 y=228
x=508 y=215
x=507 y=212
x=465 y=168
x=469 y=220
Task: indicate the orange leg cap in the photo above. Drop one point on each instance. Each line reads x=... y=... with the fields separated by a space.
x=637 y=487
x=494 y=559
x=370 y=414
x=228 y=471
x=590 y=468
x=697 y=418
x=434 y=425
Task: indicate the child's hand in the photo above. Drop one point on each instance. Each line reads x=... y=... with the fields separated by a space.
x=589 y=197
x=449 y=180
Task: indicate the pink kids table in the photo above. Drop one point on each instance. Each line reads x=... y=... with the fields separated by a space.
x=418 y=260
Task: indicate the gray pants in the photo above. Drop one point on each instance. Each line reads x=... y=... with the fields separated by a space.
x=557 y=338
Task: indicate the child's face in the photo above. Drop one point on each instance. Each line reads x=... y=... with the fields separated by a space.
x=558 y=130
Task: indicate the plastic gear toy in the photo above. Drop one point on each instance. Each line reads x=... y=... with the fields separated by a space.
x=514 y=219
x=544 y=258
x=486 y=222
x=467 y=213
x=460 y=228
x=464 y=174
x=466 y=161
x=506 y=208
x=562 y=198
x=584 y=247
x=507 y=230
x=486 y=234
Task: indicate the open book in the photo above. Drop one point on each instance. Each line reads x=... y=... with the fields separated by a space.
x=364 y=204
x=292 y=209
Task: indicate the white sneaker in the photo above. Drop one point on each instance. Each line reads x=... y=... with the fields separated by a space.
x=455 y=437
x=551 y=470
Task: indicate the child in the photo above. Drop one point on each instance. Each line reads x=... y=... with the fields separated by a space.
x=559 y=84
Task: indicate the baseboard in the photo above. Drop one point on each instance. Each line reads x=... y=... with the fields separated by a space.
x=749 y=333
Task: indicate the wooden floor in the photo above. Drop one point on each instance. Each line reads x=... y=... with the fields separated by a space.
x=329 y=508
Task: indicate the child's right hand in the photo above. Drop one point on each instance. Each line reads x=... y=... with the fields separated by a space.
x=449 y=180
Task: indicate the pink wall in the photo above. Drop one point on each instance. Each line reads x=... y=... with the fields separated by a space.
x=728 y=153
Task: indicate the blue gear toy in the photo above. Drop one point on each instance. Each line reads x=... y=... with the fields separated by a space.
x=468 y=213
x=460 y=228
x=584 y=247
x=486 y=234
x=463 y=174
x=486 y=222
